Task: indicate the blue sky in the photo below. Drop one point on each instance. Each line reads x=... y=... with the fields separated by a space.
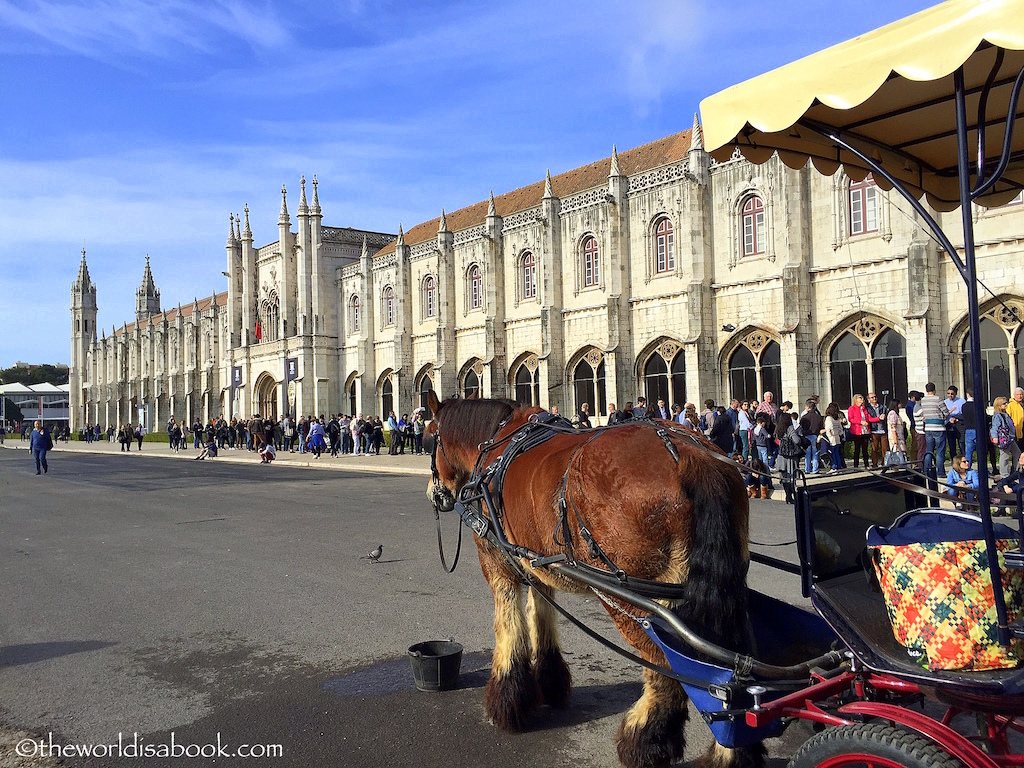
x=136 y=126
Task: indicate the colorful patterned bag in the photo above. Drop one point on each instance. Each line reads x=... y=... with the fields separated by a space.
x=933 y=570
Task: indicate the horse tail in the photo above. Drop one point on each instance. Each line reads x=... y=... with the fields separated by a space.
x=715 y=602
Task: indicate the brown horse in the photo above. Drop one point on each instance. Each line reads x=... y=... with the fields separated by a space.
x=676 y=521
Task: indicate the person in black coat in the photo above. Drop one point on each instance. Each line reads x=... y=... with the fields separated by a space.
x=721 y=431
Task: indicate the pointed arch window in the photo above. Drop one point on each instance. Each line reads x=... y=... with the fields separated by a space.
x=476 y=288
x=528 y=275
x=429 y=297
x=849 y=369
x=387 y=397
x=527 y=385
x=863 y=206
x=388 y=306
x=354 y=313
x=664 y=246
x=425 y=387
x=755 y=367
x=590 y=258
x=471 y=384
x=995 y=360
x=589 y=386
x=753 y=226
x=268 y=319
x=889 y=366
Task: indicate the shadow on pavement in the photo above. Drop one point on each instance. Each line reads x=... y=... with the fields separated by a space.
x=30 y=653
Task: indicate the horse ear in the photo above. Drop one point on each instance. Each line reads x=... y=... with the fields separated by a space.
x=432 y=402
x=474 y=395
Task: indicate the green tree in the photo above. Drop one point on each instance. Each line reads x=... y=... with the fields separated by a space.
x=40 y=374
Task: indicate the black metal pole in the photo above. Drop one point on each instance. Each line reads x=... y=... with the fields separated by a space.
x=978 y=383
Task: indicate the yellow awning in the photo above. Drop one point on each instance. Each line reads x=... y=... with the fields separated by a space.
x=891 y=92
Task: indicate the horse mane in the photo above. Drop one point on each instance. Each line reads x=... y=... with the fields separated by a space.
x=474 y=421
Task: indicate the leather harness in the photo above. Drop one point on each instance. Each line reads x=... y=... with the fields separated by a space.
x=486 y=484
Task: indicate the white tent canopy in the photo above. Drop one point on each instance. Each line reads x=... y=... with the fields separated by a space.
x=890 y=94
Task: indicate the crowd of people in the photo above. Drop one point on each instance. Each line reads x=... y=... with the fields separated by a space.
x=335 y=435
x=773 y=438
x=769 y=438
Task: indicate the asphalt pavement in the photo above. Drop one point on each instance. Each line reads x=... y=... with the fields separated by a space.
x=228 y=600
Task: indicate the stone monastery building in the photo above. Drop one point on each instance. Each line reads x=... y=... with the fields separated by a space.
x=656 y=271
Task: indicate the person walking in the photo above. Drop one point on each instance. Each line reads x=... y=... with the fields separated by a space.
x=39 y=443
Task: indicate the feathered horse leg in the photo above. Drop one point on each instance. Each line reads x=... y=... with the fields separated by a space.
x=512 y=690
x=549 y=669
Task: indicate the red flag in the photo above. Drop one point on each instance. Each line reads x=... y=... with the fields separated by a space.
x=259 y=330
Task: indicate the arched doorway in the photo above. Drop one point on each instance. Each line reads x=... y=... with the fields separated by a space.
x=265 y=401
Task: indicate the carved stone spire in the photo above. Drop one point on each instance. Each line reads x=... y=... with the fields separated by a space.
x=615 y=163
x=547 y=185
x=247 y=233
x=84 y=281
x=147 y=297
x=365 y=253
x=238 y=228
x=442 y=225
x=303 y=207
x=401 y=237
x=696 y=135
x=491 y=210
x=315 y=210
x=283 y=218
x=231 y=230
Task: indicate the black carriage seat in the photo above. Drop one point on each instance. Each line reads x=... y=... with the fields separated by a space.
x=832 y=518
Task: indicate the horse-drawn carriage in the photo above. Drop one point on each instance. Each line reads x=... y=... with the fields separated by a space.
x=654 y=520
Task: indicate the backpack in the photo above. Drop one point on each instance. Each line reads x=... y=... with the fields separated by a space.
x=1005 y=433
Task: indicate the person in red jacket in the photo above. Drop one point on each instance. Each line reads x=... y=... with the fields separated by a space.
x=858 y=414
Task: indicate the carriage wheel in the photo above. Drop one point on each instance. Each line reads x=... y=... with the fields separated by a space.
x=871 y=745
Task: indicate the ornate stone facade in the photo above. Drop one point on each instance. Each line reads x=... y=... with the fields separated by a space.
x=652 y=272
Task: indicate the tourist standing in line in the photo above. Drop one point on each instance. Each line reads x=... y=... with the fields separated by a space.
x=859 y=429
x=931 y=414
x=1015 y=410
x=1002 y=436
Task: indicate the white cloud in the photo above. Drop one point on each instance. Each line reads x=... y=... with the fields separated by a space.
x=110 y=29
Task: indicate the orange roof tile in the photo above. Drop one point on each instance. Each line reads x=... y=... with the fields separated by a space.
x=637 y=160
x=172 y=314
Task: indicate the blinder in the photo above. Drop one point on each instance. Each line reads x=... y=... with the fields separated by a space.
x=443 y=499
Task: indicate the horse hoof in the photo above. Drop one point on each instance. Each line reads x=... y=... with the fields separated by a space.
x=655 y=744
x=553 y=679
x=742 y=757
x=511 y=698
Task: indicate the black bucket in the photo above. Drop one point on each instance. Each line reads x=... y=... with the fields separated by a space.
x=435 y=664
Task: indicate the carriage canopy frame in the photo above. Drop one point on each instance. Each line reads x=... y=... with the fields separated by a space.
x=902 y=102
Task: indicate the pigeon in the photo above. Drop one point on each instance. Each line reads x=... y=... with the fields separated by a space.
x=374 y=556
